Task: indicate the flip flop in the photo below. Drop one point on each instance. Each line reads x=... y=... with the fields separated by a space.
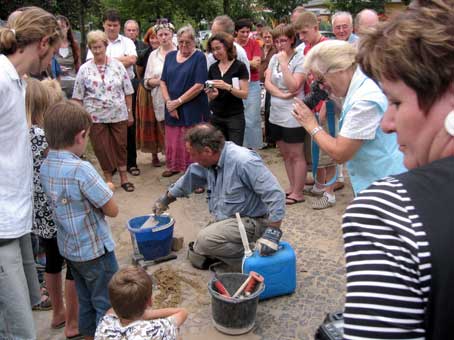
x=58 y=325
x=75 y=337
x=135 y=171
x=169 y=173
x=128 y=187
x=291 y=201
x=199 y=190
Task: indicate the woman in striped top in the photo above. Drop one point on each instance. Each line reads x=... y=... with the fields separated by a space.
x=398 y=233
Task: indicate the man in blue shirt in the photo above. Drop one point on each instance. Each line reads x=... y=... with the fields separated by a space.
x=237 y=180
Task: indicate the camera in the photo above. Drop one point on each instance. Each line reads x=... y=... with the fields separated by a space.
x=315 y=96
x=209 y=84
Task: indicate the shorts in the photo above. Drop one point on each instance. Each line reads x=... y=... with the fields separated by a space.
x=54 y=261
x=287 y=135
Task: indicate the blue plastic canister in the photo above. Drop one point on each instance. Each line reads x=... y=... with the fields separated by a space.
x=278 y=270
x=152 y=242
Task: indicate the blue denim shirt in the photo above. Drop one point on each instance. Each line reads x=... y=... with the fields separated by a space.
x=76 y=194
x=239 y=183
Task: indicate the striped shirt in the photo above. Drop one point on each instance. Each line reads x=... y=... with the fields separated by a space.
x=388 y=265
x=76 y=194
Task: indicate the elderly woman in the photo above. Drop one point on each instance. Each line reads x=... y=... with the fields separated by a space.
x=103 y=87
x=399 y=232
x=229 y=85
x=284 y=79
x=152 y=82
x=369 y=152
x=186 y=104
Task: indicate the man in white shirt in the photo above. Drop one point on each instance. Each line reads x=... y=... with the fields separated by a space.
x=120 y=47
x=225 y=24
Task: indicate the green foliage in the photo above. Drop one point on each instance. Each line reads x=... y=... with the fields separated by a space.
x=355 y=6
x=281 y=10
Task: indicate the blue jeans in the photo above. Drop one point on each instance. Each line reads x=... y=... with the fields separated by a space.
x=92 y=278
x=253 y=137
x=19 y=289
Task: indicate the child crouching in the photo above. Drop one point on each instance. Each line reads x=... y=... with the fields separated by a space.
x=132 y=317
x=80 y=200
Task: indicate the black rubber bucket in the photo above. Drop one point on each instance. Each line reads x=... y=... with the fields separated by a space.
x=233 y=316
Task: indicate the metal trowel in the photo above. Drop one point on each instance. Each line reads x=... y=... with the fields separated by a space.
x=151 y=222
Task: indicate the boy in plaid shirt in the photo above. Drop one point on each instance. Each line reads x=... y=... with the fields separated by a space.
x=80 y=200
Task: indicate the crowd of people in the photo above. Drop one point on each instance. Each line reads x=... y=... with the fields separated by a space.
x=378 y=98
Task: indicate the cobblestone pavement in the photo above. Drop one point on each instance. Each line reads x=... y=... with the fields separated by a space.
x=315 y=236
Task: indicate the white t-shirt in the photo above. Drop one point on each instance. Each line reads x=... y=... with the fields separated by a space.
x=241 y=55
x=120 y=47
x=281 y=109
x=16 y=161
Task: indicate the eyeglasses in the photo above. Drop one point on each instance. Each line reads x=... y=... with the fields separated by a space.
x=185 y=43
x=281 y=41
x=344 y=27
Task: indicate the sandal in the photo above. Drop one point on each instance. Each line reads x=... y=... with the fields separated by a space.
x=43 y=305
x=338 y=185
x=128 y=187
x=169 y=173
x=292 y=201
x=58 y=325
x=135 y=171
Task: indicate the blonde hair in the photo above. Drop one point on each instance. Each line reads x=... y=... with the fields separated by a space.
x=305 y=19
x=36 y=102
x=95 y=36
x=417 y=47
x=29 y=26
x=63 y=121
x=54 y=89
x=330 y=56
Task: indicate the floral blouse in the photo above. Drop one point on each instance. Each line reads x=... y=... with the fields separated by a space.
x=103 y=88
x=43 y=222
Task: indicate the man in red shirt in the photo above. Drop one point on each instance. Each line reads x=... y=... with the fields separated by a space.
x=253 y=137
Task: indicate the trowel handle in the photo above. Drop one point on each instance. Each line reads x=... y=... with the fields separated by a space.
x=247 y=250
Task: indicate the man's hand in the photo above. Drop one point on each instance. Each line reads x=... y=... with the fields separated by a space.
x=269 y=242
x=162 y=204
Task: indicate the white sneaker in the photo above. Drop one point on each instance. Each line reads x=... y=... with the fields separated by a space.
x=324 y=202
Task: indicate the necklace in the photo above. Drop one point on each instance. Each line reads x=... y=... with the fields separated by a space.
x=224 y=69
x=278 y=69
x=102 y=69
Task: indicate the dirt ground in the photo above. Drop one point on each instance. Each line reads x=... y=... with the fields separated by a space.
x=314 y=235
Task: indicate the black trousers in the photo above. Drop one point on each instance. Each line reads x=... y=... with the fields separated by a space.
x=267 y=117
x=232 y=127
x=131 y=142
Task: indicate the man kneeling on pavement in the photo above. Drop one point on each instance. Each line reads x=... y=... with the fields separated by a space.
x=237 y=180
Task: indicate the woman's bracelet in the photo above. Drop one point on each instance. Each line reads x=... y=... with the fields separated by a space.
x=316 y=130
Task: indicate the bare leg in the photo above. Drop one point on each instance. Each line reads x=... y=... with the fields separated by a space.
x=72 y=308
x=287 y=163
x=54 y=287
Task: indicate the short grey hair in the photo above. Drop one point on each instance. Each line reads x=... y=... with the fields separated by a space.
x=131 y=21
x=330 y=56
x=226 y=22
x=188 y=29
x=341 y=14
